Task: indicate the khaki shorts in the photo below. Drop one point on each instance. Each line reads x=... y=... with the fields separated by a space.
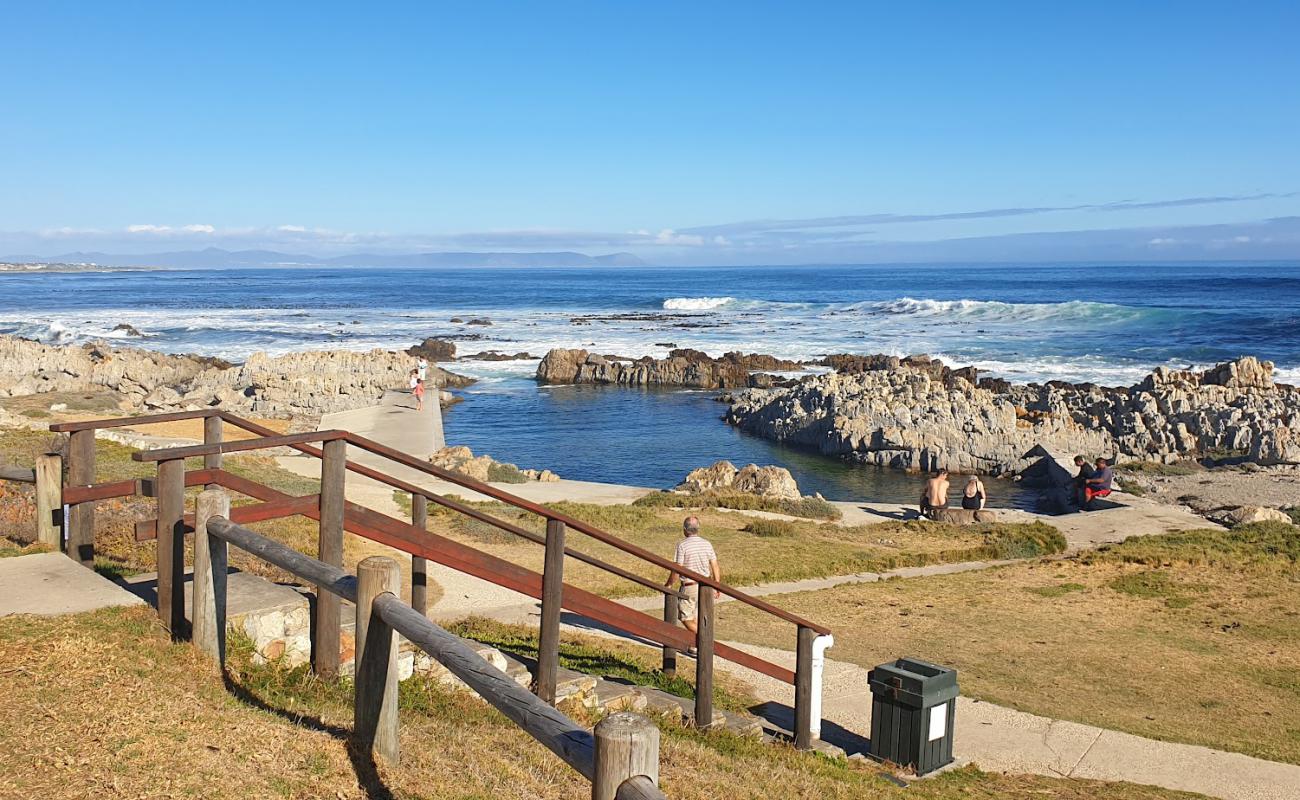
x=688 y=603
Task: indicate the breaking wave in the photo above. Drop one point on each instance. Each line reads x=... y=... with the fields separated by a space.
x=996 y=311
x=696 y=303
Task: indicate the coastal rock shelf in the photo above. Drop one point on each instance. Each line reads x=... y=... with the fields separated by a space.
x=682 y=367
x=915 y=414
x=308 y=383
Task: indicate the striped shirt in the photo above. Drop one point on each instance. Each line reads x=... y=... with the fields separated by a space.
x=694 y=553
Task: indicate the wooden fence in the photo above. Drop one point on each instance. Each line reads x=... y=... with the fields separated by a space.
x=620 y=758
x=335 y=515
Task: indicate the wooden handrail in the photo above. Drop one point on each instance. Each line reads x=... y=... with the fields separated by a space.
x=576 y=524
x=550 y=727
x=18 y=474
x=123 y=422
x=236 y=446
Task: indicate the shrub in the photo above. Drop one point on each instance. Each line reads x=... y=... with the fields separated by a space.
x=771 y=528
x=806 y=507
x=1023 y=541
x=505 y=473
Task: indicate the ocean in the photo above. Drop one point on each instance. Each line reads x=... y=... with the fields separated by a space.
x=1109 y=324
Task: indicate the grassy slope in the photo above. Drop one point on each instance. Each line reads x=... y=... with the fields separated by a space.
x=104 y=704
x=806 y=549
x=1157 y=636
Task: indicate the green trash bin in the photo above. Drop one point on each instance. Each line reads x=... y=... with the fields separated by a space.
x=913 y=709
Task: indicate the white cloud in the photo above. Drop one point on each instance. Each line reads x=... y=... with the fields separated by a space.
x=669 y=236
x=291 y=229
x=1241 y=239
x=1161 y=241
x=199 y=229
x=148 y=228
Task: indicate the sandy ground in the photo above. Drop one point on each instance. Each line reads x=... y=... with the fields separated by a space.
x=1206 y=490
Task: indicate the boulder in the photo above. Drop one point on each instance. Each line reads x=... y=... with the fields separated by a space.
x=1245 y=515
x=682 y=367
x=964 y=516
x=434 y=350
x=723 y=477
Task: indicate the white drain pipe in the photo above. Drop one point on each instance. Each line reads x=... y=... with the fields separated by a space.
x=819 y=647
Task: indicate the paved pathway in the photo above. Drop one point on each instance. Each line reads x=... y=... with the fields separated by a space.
x=52 y=583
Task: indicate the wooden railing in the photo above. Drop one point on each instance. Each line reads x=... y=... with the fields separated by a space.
x=620 y=758
x=336 y=515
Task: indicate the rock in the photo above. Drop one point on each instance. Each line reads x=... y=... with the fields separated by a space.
x=461 y=460
x=295 y=384
x=715 y=477
x=483 y=321
x=1245 y=515
x=434 y=350
x=915 y=414
x=964 y=516
x=723 y=477
x=682 y=367
x=129 y=330
x=493 y=355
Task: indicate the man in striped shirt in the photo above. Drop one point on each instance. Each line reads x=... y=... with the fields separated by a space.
x=694 y=553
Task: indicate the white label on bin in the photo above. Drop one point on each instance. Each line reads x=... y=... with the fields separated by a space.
x=938 y=721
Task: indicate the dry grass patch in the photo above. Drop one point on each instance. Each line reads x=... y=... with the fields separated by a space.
x=750 y=550
x=105 y=705
x=1191 y=637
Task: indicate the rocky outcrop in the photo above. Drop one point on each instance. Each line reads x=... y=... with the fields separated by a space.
x=909 y=414
x=1245 y=515
x=964 y=516
x=434 y=350
x=723 y=477
x=461 y=460
x=682 y=367
x=295 y=384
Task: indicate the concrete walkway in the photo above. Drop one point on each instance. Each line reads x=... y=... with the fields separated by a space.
x=51 y=583
x=1005 y=740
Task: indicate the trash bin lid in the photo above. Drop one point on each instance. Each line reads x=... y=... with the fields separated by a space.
x=914 y=681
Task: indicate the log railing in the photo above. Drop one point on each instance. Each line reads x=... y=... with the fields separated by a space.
x=336 y=515
x=620 y=758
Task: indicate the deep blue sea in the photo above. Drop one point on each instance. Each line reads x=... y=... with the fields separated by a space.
x=1109 y=324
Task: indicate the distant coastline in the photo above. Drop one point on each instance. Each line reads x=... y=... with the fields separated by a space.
x=49 y=266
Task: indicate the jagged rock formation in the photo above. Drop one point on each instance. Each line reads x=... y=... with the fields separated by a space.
x=461 y=460
x=308 y=383
x=434 y=350
x=682 y=367
x=911 y=415
x=723 y=477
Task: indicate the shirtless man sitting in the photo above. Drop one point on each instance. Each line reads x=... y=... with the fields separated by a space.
x=935 y=496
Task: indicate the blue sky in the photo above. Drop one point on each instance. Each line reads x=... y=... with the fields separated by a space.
x=686 y=133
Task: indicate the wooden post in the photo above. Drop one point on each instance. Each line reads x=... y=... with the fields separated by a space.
x=208 y=610
x=212 y=435
x=548 y=638
x=626 y=746
x=803 y=689
x=80 y=524
x=171 y=545
x=670 y=652
x=420 y=566
x=325 y=646
x=704 y=659
x=375 y=678
x=49 y=500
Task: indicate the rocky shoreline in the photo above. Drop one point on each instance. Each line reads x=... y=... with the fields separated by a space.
x=303 y=384
x=682 y=367
x=917 y=414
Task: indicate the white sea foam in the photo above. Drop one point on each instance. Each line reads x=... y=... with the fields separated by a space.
x=994 y=311
x=696 y=303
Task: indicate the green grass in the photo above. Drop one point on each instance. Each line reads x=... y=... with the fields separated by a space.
x=806 y=507
x=1141 y=637
x=607 y=659
x=771 y=527
x=273 y=731
x=505 y=473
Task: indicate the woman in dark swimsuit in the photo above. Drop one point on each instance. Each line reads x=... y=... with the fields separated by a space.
x=973 y=497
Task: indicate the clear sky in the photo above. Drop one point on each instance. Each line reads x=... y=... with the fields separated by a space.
x=694 y=132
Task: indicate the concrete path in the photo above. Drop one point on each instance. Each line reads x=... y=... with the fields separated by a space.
x=1005 y=740
x=51 y=583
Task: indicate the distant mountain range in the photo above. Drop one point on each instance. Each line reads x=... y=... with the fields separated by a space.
x=215 y=257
